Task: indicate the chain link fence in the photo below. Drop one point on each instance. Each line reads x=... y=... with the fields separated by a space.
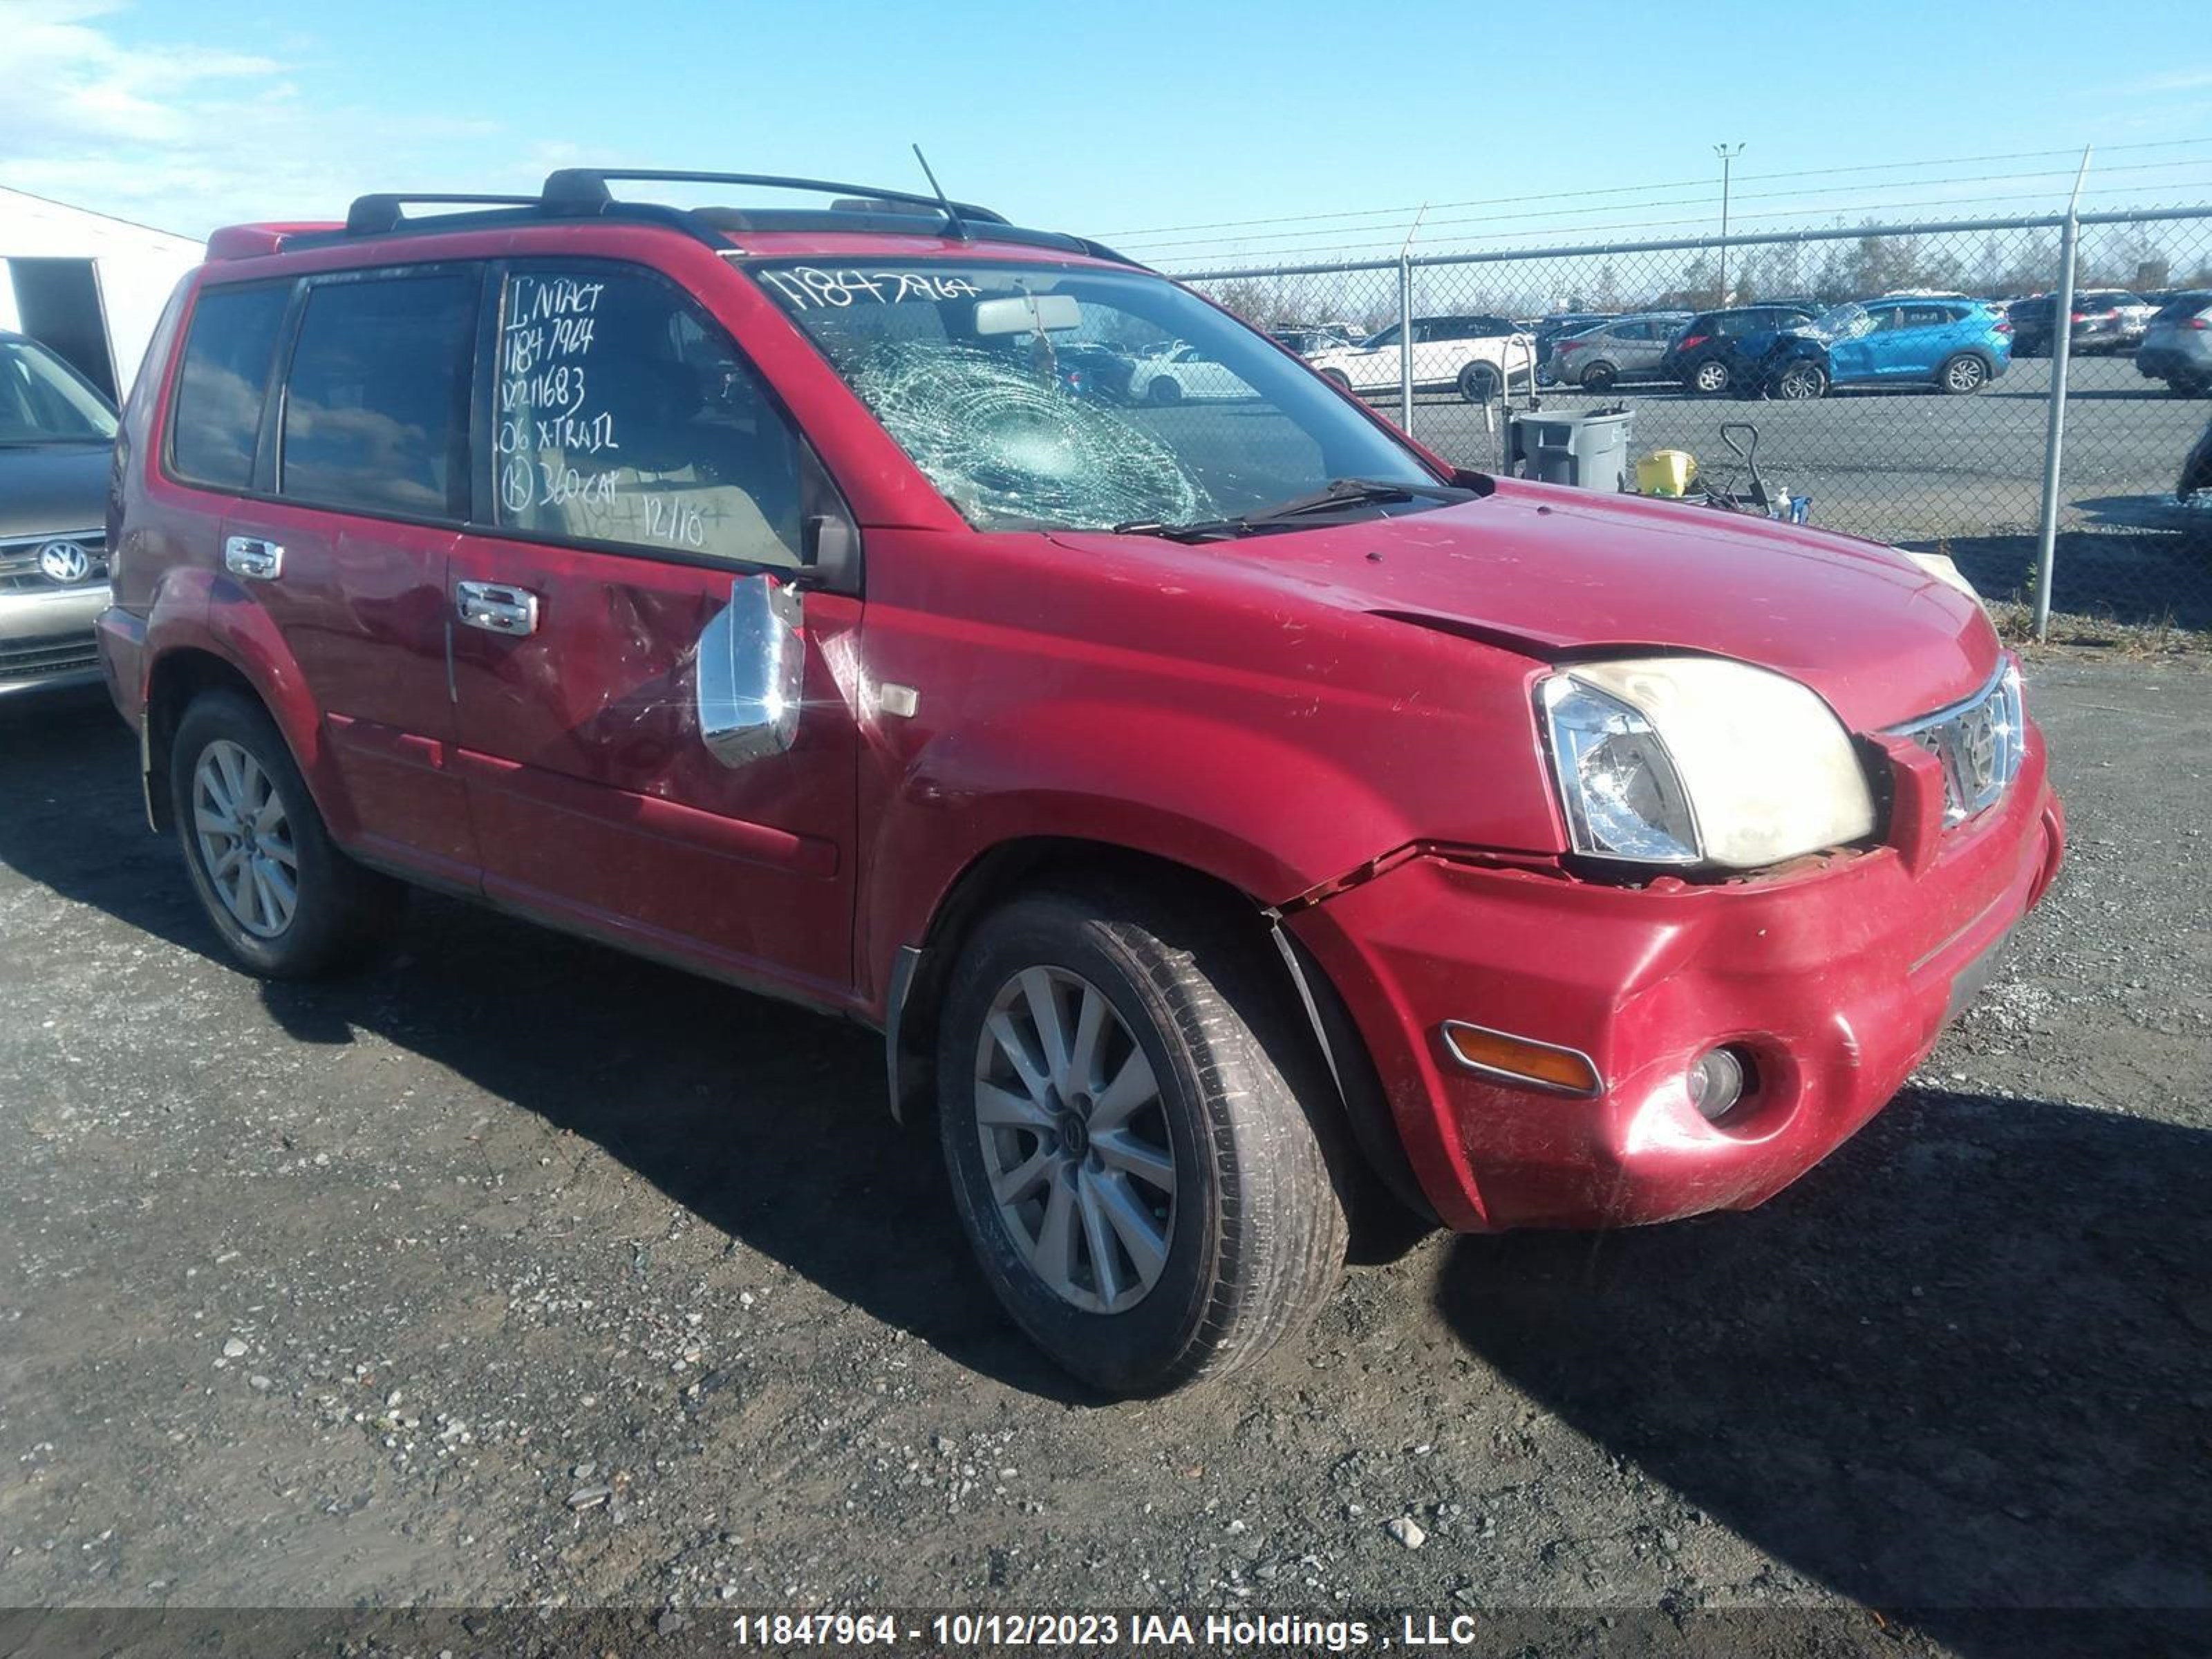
x=1899 y=379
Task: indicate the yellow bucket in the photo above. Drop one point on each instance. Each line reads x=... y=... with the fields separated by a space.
x=1666 y=472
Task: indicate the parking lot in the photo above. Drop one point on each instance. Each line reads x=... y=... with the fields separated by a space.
x=513 y=1270
x=1903 y=464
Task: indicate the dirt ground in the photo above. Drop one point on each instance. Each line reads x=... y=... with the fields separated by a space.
x=517 y=1271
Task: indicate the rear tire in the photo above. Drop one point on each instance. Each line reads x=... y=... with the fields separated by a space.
x=1208 y=1172
x=1963 y=375
x=287 y=902
x=1479 y=383
x=1163 y=391
x=1600 y=377
x=1710 y=378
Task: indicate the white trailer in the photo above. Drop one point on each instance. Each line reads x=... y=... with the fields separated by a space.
x=88 y=286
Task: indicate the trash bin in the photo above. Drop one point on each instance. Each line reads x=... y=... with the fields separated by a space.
x=1588 y=449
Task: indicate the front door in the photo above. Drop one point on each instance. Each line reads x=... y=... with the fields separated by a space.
x=641 y=469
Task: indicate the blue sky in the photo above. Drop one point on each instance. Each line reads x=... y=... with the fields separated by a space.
x=1150 y=125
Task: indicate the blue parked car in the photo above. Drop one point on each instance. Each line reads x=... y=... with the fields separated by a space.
x=1956 y=346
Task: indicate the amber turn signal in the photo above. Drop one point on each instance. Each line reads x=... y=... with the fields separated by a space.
x=1521 y=1060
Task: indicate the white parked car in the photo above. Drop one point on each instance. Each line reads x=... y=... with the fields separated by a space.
x=1170 y=373
x=1472 y=356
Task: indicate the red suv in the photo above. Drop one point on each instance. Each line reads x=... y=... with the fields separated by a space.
x=1226 y=809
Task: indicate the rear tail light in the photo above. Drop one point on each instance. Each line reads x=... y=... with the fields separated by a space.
x=1690 y=343
x=2198 y=322
x=1566 y=346
x=2003 y=326
x=2081 y=316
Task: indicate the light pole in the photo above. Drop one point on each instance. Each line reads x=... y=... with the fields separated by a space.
x=1728 y=155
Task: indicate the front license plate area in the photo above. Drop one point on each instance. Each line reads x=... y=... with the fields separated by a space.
x=1975 y=976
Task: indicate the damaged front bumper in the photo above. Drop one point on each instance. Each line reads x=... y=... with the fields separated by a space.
x=1833 y=981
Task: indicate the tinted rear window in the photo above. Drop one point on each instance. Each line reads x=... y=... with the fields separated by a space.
x=376 y=404
x=2182 y=307
x=223 y=383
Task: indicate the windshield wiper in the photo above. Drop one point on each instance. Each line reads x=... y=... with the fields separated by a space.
x=1339 y=494
x=1357 y=492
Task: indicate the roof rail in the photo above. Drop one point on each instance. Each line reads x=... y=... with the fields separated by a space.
x=581 y=193
x=585 y=188
x=371 y=215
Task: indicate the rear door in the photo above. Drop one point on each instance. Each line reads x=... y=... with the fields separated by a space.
x=361 y=480
x=641 y=468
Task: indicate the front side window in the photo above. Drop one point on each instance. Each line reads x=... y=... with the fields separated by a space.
x=44 y=401
x=961 y=362
x=224 y=381
x=376 y=402
x=626 y=415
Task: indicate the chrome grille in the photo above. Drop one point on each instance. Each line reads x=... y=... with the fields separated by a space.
x=1980 y=744
x=21 y=570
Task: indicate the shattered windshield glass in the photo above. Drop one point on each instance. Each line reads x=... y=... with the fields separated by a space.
x=1845 y=322
x=1036 y=396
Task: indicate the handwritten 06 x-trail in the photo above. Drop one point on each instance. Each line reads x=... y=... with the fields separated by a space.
x=1242 y=826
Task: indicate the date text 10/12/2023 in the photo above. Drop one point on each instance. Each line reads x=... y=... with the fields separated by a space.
x=1112 y=1632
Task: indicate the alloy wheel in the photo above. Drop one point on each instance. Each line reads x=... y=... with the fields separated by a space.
x=1075 y=1141
x=1799 y=381
x=245 y=839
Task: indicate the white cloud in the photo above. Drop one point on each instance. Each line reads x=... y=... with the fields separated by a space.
x=2176 y=81
x=186 y=136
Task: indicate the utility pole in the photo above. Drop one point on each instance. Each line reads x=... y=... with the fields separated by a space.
x=2054 y=439
x=1728 y=155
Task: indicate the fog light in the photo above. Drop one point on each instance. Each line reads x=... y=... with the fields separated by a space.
x=1719 y=1081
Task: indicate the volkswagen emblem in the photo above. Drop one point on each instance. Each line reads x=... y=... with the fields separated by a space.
x=65 y=562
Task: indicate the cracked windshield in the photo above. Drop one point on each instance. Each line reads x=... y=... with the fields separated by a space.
x=1040 y=397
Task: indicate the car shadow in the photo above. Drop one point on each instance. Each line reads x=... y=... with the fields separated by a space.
x=1960 y=1370
x=764 y=1120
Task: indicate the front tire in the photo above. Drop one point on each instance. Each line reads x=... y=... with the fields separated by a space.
x=1963 y=375
x=1337 y=378
x=1119 y=1103
x=1801 y=382
x=287 y=902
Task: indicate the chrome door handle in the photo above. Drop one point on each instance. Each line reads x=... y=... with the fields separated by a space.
x=495 y=607
x=252 y=558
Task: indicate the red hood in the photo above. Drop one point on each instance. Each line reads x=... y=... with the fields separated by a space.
x=1557 y=571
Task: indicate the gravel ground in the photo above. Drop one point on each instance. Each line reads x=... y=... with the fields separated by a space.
x=517 y=1271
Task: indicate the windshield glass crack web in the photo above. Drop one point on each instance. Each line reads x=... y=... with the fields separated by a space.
x=1007 y=444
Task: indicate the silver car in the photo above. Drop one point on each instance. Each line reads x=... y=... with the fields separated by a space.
x=1624 y=350
x=56 y=436
x=2177 y=347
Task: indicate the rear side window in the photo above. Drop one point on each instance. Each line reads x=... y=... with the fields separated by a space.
x=224 y=382
x=376 y=402
x=626 y=415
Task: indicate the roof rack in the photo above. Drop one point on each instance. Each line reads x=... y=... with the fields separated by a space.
x=583 y=192
x=586 y=188
x=372 y=215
